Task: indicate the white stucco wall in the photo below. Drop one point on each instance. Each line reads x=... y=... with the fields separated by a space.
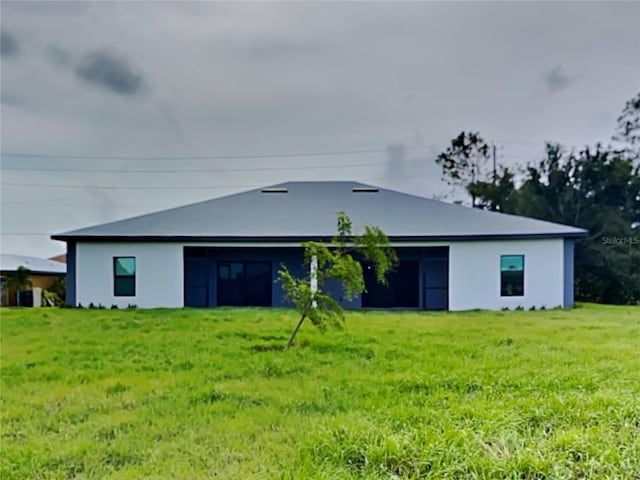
x=159 y=274
x=474 y=274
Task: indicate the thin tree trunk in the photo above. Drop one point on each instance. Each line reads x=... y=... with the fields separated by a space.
x=293 y=335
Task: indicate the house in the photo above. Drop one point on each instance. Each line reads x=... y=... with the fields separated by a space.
x=227 y=251
x=42 y=274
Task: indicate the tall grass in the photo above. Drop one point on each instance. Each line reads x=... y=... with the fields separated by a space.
x=211 y=394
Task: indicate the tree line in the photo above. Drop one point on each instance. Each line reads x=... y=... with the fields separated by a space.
x=596 y=188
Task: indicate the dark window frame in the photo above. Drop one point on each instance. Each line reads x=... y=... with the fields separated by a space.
x=520 y=292
x=117 y=276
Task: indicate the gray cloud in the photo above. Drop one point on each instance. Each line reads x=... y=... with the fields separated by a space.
x=270 y=47
x=111 y=71
x=11 y=100
x=253 y=78
x=173 y=122
x=557 y=79
x=59 y=56
x=48 y=8
x=396 y=160
x=9 y=45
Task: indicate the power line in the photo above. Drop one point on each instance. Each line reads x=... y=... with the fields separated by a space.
x=27 y=233
x=127 y=187
x=84 y=204
x=520 y=157
x=189 y=187
x=520 y=142
x=58 y=156
x=200 y=170
x=235 y=156
x=193 y=170
x=195 y=157
x=206 y=170
x=182 y=187
x=177 y=187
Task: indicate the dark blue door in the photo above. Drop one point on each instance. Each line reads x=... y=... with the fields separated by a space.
x=436 y=279
x=196 y=277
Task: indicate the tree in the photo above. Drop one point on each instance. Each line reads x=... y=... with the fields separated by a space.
x=336 y=261
x=595 y=188
x=18 y=280
x=628 y=128
x=495 y=195
x=464 y=162
x=599 y=190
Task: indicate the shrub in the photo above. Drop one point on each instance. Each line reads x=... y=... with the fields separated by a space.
x=49 y=299
x=59 y=290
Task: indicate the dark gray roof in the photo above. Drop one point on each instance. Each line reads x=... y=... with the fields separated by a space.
x=308 y=210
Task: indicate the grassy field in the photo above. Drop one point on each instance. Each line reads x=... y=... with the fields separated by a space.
x=194 y=394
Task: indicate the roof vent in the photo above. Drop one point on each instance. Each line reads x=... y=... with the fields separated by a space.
x=365 y=190
x=275 y=190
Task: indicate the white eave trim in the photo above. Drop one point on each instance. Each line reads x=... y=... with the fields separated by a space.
x=298 y=244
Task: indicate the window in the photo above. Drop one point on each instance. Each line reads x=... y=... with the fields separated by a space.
x=512 y=275
x=124 y=276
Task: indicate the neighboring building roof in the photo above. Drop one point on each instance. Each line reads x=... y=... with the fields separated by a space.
x=10 y=263
x=59 y=258
x=307 y=210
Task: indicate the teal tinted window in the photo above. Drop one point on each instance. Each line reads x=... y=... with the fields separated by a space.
x=512 y=275
x=124 y=276
x=511 y=263
x=125 y=266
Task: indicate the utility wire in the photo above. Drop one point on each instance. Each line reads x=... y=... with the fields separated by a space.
x=520 y=142
x=85 y=204
x=236 y=157
x=215 y=170
x=192 y=170
x=58 y=156
x=195 y=157
x=127 y=187
x=189 y=187
x=226 y=170
x=27 y=233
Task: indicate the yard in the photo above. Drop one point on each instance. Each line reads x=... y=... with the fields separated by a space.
x=196 y=394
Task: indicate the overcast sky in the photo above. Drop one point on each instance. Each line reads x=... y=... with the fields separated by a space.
x=392 y=81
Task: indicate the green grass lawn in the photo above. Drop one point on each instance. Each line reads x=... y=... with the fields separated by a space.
x=210 y=394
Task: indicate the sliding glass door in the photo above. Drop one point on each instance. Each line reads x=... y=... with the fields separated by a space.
x=401 y=291
x=244 y=283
